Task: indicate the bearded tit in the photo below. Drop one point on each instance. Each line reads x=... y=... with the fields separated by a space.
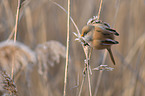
x=100 y=36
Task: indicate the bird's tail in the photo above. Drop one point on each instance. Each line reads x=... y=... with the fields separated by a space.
x=111 y=55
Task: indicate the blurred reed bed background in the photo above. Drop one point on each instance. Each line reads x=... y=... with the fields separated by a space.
x=39 y=64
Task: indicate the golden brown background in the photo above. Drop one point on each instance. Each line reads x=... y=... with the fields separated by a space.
x=42 y=21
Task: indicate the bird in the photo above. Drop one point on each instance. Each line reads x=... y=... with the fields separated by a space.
x=100 y=36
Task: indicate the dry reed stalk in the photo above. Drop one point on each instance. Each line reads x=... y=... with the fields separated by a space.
x=11 y=35
x=70 y=16
x=17 y=18
x=15 y=33
x=88 y=52
x=84 y=74
x=81 y=87
x=67 y=49
x=76 y=34
x=99 y=12
x=105 y=53
x=22 y=3
x=88 y=55
x=29 y=25
x=100 y=74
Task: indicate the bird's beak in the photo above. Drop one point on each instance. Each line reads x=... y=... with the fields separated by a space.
x=82 y=35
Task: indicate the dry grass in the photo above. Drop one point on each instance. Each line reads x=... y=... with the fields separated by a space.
x=48 y=57
x=41 y=21
x=23 y=54
x=42 y=61
x=8 y=84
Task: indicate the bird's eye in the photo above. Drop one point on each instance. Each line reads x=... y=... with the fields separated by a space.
x=85 y=33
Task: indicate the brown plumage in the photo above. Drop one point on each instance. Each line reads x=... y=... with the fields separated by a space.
x=100 y=36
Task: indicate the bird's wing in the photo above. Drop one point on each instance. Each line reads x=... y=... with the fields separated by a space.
x=108 y=42
x=112 y=31
x=105 y=30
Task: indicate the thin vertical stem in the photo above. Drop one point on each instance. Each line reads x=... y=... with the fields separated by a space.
x=100 y=74
x=81 y=87
x=67 y=50
x=104 y=58
x=11 y=35
x=87 y=51
x=88 y=70
x=100 y=10
x=17 y=18
x=15 y=34
x=105 y=53
x=67 y=13
x=89 y=80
